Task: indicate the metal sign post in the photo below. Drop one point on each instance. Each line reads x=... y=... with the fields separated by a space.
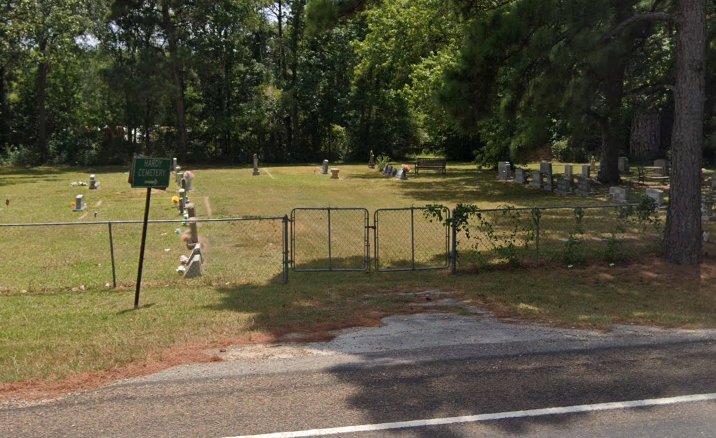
x=147 y=173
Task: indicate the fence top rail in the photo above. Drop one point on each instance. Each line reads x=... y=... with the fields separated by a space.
x=562 y=207
x=155 y=221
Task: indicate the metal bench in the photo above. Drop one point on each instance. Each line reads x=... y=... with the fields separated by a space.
x=430 y=163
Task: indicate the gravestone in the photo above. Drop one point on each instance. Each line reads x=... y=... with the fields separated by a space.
x=623 y=165
x=256 y=165
x=520 y=176
x=585 y=171
x=193 y=234
x=504 y=170
x=657 y=195
x=568 y=173
x=182 y=200
x=562 y=186
x=393 y=171
x=174 y=165
x=371 y=161
x=536 y=180
x=664 y=165
x=189 y=182
x=707 y=207
x=334 y=172
x=79 y=203
x=178 y=176
x=386 y=170
x=618 y=194
x=584 y=186
x=93 y=185
x=545 y=169
x=193 y=270
x=196 y=252
x=324 y=167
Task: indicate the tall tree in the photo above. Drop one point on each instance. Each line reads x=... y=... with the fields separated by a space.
x=682 y=238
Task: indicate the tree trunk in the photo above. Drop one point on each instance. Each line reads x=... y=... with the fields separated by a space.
x=4 y=112
x=613 y=88
x=645 y=137
x=297 y=30
x=682 y=237
x=40 y=101
x=177 y=77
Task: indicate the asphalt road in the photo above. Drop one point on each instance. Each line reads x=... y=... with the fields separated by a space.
x=414 y=368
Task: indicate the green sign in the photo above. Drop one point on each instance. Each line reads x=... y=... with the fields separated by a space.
x=151 y=173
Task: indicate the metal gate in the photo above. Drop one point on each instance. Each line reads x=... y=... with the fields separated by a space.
x=330 y=239
x=411 y=239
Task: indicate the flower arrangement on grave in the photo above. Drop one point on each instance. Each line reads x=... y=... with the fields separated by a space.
x=406 y=168
x=175 y=200
x=73 y=204
x=188 y=176
x=186 y=236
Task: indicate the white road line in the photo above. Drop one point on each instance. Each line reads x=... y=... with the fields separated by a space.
x=490 y=417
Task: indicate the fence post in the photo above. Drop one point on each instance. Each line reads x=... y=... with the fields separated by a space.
x=111 y=253
x=453 y=227
x=412 y=237
x=285 y=249
x=537 y=217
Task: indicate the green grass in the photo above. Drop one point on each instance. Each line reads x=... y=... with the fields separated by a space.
x=60 y=320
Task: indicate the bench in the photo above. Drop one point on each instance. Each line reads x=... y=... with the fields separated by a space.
x=430 y=163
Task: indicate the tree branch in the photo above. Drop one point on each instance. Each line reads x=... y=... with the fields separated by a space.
x=638 y=18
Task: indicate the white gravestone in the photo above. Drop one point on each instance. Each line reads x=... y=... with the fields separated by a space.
x=657 y=195
x=618 y=194
x=175 y=165
x=256 y=165
x=324 y=167
x=504 y=171
x=193 y=269
x=93 y=185
x=79 y=203
x=182 y=200
x=178 y=176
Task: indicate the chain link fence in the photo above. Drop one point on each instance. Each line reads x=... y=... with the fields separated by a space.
x=329 y=239
x=79 y=254
x=570 y=235
x=263 y=250
x=410 y=239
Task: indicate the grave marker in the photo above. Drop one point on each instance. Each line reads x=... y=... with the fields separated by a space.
x=504 y=171
x=623 y=165
x=568 y=173
x=324 y=167
x=334 y=172
x=585 y=171
x=93 y=185
x=193 y=270
x=657 y=195
x=562 y=186
x=256 y=165
x=371 y=161
x=618 y=194
x=536 y=180
x=79 y=203
x=520 y=176
x=584 y=186
x=664 y=165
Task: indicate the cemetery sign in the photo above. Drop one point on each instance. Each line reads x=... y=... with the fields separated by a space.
x=151 y=173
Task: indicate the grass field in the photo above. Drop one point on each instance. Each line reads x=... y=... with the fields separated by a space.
x=61 y=323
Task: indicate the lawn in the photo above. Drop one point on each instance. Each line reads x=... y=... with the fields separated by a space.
x=64 y=323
